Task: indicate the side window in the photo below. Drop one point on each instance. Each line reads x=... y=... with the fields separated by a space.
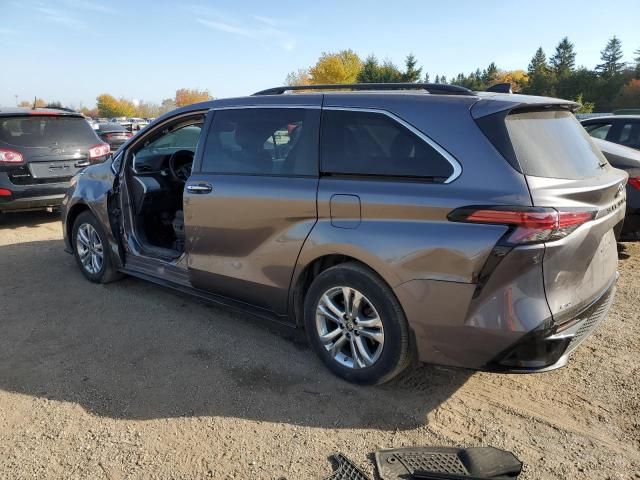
x=629 y=135
x=263 y=141
x=598 y=130
x=155 y=150
x=367 y=143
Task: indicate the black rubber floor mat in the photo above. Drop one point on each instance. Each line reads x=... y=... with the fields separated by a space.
x=470 y=463
x=345 y=469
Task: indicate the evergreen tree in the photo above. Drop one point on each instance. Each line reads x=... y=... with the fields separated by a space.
x=426 y=77
x=611 y=65
x=538 y=63
x=564 y=59
x=437 y=79
x=489 y=75
x=369 y=72
x=443 y=79
x=411 y=73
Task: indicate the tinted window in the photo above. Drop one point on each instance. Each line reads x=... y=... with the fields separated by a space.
x=629 y=135
x=43 y=131
x=553 y=144
x=267 y=141
x=598 y=130
x=366 y=143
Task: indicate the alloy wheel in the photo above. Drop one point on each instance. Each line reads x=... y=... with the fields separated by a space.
x=349 y=327
x=89 y=248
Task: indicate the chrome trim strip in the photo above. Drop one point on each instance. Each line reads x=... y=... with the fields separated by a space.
x=243 y=107
x=457 y=168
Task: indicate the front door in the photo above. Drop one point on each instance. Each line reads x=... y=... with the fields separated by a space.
x=251 y=202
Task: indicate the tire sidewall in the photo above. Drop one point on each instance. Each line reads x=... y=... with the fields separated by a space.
x=89 y=218
x=395 y=346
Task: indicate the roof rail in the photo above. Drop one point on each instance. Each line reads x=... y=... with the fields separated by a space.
x=437 y=88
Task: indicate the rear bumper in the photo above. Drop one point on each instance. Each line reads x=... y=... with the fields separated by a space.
x=31 y=197
x=549 y=349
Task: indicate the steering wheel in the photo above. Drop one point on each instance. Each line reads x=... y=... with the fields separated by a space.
x=180 y=164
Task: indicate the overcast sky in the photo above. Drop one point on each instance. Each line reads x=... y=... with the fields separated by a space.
x=73 y=50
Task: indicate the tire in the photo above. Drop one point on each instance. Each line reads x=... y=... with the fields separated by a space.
x=378 y=312
x=97 y=272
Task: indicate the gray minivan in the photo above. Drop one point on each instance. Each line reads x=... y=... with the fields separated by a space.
x=392 y=222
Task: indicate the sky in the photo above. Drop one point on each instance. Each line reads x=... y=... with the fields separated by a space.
x=73 y=50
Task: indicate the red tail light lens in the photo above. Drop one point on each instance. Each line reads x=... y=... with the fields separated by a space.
x=10 y=156
x=527 y=224
x=635 y=182
x=99 y=151
x=5 y=193
x=129 y=134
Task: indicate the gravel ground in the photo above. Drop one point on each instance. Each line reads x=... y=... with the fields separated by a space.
x=134 y=381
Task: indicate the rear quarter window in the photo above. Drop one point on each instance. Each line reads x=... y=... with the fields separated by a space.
x=553 y=144
x=371 y=143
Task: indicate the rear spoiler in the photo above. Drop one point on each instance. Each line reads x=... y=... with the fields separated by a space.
x=490 y=103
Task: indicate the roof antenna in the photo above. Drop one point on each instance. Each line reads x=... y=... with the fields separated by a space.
x=500 y=88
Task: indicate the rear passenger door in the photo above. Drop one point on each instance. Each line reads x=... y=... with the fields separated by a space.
x=251 y=202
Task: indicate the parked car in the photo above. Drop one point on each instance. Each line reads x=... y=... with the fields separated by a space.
x=627 y=159
x=40 y=150
x=113 y=133
x=469 y=229
x=621 y=129
x=138 y=123
x=125 y=122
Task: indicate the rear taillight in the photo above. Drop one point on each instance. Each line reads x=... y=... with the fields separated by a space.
x=98 y=152
x=635 y=182
x=4 y=192
x=526 y=224
x=129 y=134
x=10 y=157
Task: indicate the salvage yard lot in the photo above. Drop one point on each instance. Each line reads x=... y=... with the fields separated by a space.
x=131 y=380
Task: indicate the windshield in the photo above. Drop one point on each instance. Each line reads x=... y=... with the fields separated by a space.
x=553 y=144
x=44 y=131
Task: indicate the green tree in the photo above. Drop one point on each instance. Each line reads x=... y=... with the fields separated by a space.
x=585 y=107
x=564 y=59
x=489 y=75
x=411 y=73
x=340 y=67
x=540 y=76
x=427 y=79
x=611 y=65
x=637 y=60
x=374 y=72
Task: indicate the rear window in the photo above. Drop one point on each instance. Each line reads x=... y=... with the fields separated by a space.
x=553 y=144
x=43 y=131
x=368 y=143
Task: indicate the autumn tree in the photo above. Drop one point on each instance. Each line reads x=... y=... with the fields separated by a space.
x=629 y=96
x=517 y=78
x=637 y=60
x=188 y=96
x=109 y=106
x=340 y=67
x=298 y=77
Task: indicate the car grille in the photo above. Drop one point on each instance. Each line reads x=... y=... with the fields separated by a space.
x=595 y=314
x=21 y=176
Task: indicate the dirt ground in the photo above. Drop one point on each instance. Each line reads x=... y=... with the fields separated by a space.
x=134 y=381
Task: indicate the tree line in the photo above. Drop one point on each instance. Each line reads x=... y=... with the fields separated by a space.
x=109 y=106
x=609 y=85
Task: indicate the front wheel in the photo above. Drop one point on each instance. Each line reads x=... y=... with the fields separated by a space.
x=356 y=325
x=91 y=249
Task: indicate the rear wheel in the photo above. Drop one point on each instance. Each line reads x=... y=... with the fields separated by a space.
x=91 y=249
x=356 y=325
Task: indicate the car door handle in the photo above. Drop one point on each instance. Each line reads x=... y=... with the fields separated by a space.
x=199 y=188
